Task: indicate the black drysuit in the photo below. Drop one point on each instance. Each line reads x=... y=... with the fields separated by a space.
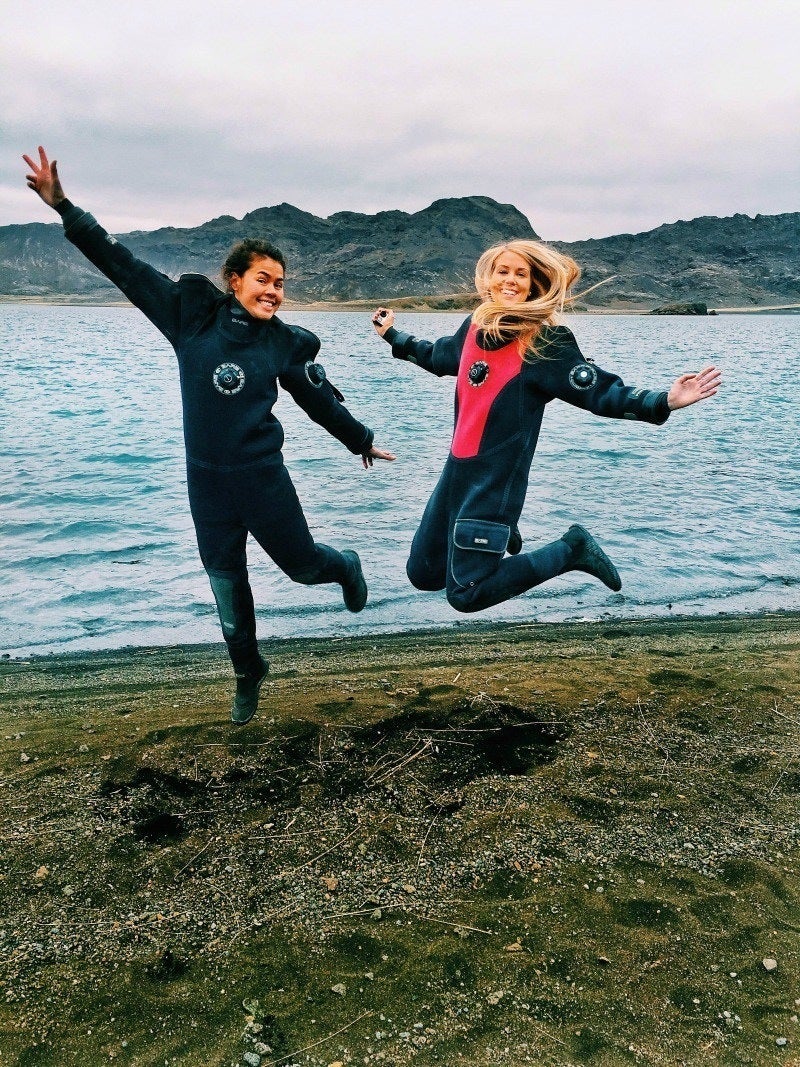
x=230 y=365
x=464 y=534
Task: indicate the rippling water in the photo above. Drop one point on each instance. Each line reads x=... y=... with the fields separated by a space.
x=98 y=551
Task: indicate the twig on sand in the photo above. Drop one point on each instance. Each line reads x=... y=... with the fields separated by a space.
x=322 y=1040
x=195 y=858
x=427 y=835
x=236 y=744
x=487 y=729
x=511 y=796
x=458 y=926
x=327 y=850
x=365 y=911
x=787 y=717
x=786 y=765
x=545 y=1033
x=403 y=762
x=654 y=741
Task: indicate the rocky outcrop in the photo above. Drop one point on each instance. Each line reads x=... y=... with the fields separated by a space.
x=737 y=261
x=697 y=308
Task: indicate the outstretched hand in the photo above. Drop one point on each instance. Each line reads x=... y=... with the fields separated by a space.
x=690 y=388
x=382 y=319
x=44 y=180
x=376 y=453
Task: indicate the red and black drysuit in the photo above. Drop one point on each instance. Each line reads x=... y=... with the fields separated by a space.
x=230 y=364
x=464 y=535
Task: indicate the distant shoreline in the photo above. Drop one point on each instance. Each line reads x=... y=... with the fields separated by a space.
x=420 y=305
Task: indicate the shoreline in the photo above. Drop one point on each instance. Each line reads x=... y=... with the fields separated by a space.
x=503 y=843
x=449 y=629
x=415 y=305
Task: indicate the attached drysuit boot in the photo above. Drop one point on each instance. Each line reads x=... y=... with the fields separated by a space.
x=354 y=587
x=589 y=557
x=248 y=686
x=333 y=566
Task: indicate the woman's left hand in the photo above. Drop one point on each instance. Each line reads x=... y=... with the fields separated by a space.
x=690 y=388
x=376 y=453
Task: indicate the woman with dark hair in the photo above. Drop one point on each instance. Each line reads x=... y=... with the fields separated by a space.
x=510 y=358
x=232 y=352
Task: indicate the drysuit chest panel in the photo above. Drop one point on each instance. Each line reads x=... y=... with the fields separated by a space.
x=481 y=378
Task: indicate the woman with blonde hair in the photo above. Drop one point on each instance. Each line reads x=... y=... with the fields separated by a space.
x=510 y=358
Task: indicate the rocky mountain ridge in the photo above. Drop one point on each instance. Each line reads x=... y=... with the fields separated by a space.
x=349 y=256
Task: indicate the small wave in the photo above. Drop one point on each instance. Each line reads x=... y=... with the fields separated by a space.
x=81 y=530
x=23 y=529
x=594 y=454
x=125 y=459
x=788 y=580
x=109 y=596
x=134 y=553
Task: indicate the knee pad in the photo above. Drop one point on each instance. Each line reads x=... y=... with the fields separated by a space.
x=234 y=601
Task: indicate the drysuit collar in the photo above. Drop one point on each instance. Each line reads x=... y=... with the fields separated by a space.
x=237 y=324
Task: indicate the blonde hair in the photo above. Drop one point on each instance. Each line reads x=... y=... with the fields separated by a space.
x=552 y=276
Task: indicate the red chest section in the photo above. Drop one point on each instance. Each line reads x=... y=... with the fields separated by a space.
x=481 y=377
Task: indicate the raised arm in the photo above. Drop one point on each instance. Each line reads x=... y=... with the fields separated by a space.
x=439 y=357
x=148 y=289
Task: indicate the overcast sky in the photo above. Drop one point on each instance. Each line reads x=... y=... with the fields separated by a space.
x=592 y=118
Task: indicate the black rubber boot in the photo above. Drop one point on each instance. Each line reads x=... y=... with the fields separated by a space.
x=248 y=686
x=589 y=557
x=514 y=542
x=354 y=588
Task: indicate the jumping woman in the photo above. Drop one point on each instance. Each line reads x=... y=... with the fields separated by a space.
x=232 y=352
x=510 y=359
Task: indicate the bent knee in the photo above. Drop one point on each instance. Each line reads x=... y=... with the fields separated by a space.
x=424 y=578
x=465 y=598
x=307 y=576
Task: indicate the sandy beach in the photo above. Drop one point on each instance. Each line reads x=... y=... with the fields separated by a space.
x=488 y=844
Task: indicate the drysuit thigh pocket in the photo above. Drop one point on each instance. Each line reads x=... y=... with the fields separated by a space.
x=478 y=547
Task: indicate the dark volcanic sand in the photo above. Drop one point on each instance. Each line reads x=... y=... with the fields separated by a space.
x=571 y=844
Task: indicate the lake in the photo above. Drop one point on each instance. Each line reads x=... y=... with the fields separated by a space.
x=97 y=550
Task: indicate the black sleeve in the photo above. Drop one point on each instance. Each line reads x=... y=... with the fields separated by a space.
x=147 y=289
x=305 y=380
x=439 y=357
x=563 y=373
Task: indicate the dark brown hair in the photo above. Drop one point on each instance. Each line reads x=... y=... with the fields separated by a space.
x=241 y=257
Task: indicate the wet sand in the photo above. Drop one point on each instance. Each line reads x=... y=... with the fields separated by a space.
x=488 y=844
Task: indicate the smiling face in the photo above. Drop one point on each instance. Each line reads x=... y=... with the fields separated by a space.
x=510 y=280
x=260 y=289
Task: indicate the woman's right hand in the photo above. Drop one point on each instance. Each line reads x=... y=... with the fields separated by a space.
x=44 y=180
x=382 y=319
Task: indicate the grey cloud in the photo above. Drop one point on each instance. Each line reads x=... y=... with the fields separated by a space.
x=586 y=129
